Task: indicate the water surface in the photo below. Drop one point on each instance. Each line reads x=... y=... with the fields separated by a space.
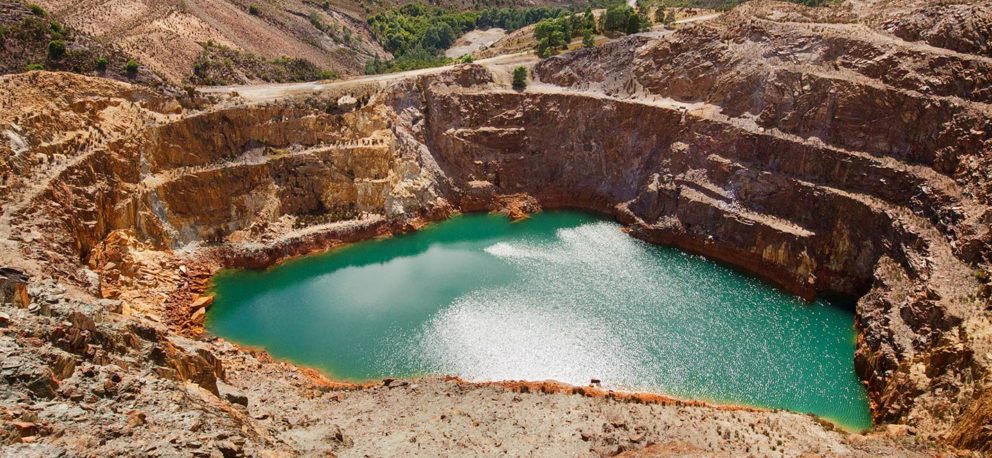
x=563 y=296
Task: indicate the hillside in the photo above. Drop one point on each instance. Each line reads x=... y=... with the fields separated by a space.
x=168 y=36
x=30 y=38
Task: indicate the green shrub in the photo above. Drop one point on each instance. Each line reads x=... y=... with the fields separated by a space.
x=31 y=67
x=412 y=60
x=519 y=78
x=131 y=67
x=56 y=49
x=587 y=39
x=37 y=10
x=101 y=64
x=623 y=19
x=253 y=10
x=327 y=75
x=553 y=35
x=466 y=59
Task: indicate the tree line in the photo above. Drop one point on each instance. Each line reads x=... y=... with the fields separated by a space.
x=554 y=35
x=417 y=34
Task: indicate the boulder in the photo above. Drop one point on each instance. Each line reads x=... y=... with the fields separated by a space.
x=14 y=287
x=198 y=316
x=202 y=302
x=347 y=103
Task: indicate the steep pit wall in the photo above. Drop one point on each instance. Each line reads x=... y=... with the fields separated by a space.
x=809 y=152
x=811 y=216
x=651 y=165
x=235 y=172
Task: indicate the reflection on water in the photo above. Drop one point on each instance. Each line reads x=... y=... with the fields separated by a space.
x=561 y=296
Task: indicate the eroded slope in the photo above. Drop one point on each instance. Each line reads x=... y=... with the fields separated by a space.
x=168 y=36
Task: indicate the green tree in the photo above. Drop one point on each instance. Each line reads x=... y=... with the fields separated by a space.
x=634 y=23
x=254 y=10
x=614 y=19
x=56 y=49
x=438 y=37
x=623 y=19
x=589 y=19
x=101 y=64
x=659 y=14
x=519 y=78
x=587 y=39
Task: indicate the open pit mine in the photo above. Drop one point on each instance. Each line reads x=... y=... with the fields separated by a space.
x=842 y=151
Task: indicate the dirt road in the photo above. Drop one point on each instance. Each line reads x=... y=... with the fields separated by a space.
x=256 y=93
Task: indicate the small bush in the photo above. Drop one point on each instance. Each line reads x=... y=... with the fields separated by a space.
x=253 y=10
x=131 y=67
x=519 y=78
x=31 y=67
x=327 y=75
x=587 y=39
x=56 y=49
x=466 y=59
x=101 y=64
x=37 y=10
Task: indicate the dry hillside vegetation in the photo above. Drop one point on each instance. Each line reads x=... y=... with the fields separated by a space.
x=168 y=35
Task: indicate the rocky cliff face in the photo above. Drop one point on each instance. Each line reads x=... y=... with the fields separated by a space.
x=817 y=148
x=830 y=157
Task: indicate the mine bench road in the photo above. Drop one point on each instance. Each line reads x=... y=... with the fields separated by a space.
x=258 y=93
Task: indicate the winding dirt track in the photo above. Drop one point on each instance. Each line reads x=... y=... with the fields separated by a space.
x=257 y=93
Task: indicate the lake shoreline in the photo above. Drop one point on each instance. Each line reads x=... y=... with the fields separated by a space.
x=638 y=395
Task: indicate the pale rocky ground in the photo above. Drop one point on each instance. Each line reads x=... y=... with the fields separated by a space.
x=121 y=399
x=473 y=41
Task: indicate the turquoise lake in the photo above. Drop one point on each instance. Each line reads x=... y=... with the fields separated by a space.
x=562 y=295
